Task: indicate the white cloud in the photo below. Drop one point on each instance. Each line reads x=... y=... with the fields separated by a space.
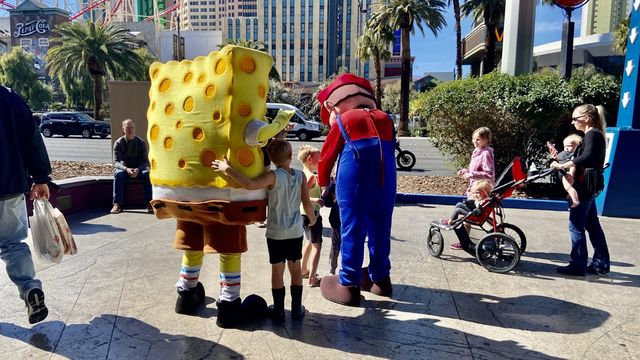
x=548 y=26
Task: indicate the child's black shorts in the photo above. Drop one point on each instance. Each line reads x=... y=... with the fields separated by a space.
x=314 y=233
x=283 y=250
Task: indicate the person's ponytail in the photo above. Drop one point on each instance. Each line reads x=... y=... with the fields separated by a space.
x=600 y=123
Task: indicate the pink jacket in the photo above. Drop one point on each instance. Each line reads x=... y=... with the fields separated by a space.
x=481 y=167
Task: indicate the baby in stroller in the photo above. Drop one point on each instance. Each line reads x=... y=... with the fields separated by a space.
x=479 y=194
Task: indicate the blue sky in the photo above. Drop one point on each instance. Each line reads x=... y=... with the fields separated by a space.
x=436 y=54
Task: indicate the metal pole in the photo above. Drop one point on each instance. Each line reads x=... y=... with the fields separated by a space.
x=566 y=48
x=179 y=40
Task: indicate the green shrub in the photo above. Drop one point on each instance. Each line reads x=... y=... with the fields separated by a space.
x=523 y=112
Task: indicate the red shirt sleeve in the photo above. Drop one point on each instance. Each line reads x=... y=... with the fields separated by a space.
x=329 y=154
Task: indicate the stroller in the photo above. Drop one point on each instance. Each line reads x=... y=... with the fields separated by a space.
x=500 y=249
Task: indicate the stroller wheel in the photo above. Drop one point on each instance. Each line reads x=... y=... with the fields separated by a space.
x=498 y=252
x=516 y=234
x=435 y=242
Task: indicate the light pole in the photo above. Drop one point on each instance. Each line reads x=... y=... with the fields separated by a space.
x=566 y=48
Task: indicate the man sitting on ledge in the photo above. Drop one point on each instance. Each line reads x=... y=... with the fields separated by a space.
x=131 y=162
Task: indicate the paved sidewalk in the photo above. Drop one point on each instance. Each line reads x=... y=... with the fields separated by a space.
x=115 y=299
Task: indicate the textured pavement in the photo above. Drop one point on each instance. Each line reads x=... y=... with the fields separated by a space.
x=115 y=299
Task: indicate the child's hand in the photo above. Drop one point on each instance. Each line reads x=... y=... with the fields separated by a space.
x=552 y=150
x=461 y=172
x=312 y=219
x=220 y=165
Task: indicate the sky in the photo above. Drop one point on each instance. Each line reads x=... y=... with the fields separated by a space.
x=438 y=54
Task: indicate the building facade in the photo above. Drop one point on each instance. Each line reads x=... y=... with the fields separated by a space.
x=602 y=16
x=309 y=39
x=214 y=14
x=32 y=28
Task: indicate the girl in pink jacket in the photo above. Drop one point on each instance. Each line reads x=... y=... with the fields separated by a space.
x=481 y=165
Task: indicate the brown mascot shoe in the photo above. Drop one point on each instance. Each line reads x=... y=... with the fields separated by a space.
x=332 y=290
x=365 y=282
x=382 y=287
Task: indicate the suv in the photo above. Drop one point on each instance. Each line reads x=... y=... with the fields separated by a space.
x=73 y=123
x=304 y=129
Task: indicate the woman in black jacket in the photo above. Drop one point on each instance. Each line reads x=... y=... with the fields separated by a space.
x=589 y=154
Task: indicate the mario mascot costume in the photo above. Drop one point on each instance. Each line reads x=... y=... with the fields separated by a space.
x=202 y=110
x=362 y=141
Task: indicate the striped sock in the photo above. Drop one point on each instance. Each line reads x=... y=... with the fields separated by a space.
x=229 y=277
x=190 y=270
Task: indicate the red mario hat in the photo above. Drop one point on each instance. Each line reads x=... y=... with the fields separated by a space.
x=344 y=86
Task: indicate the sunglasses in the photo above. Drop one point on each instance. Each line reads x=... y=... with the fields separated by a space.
x=577 y=118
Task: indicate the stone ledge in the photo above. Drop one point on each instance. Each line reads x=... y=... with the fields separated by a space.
x=85 y=193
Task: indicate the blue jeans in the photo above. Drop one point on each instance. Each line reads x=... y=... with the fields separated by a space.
x=119 y=180
x=14 y=252
x=585 y=217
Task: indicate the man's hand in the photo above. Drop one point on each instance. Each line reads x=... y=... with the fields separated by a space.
x=220 y=165
x=132 y=172
x=39 y=191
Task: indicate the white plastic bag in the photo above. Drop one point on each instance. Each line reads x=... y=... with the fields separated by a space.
x=66 y=236
x=47 y=243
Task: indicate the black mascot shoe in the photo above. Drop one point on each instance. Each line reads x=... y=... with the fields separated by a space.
x=189 y=301
x=235 y=313
x=254 y=308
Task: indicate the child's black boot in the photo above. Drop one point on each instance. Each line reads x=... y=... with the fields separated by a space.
x=297 y=310
x=276 y=311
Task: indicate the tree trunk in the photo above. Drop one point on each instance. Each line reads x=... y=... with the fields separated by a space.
x=489 y=59
x=97 y=97
x=378 y=69
x=456 y=14
x=405 y=80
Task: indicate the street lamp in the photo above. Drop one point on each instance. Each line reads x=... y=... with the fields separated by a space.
x=566 y=49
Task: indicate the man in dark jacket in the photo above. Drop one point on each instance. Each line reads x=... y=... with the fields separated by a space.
x=24 y=168
x=131 y=161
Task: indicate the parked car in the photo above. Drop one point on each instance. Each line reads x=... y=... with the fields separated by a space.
x=73 y=123
x=304 y=129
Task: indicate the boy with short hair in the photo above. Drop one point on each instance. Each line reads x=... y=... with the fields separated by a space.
x=286 y=189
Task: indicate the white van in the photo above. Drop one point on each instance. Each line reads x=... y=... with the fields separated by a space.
x=304 y=128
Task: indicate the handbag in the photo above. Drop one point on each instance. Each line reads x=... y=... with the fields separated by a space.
x=66 y=236
x=593 y=181
x=47 y=242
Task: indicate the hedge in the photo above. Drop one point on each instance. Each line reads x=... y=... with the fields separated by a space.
x=523 y=112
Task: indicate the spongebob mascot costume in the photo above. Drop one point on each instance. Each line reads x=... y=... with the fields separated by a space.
x=202 y=110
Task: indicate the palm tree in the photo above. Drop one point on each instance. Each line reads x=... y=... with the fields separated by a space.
x=255 y=45
x=620 y=35
x=404 y=15
x=490 y=11
x=458 y=30
x=375 y=45
x=99 y=49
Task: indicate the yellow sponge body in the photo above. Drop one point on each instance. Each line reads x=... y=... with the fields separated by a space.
x=198 y=113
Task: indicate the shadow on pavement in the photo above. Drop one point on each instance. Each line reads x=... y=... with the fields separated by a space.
x=114 y=337
x=406 y=328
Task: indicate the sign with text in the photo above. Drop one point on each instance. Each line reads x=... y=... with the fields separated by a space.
x=39 y=26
